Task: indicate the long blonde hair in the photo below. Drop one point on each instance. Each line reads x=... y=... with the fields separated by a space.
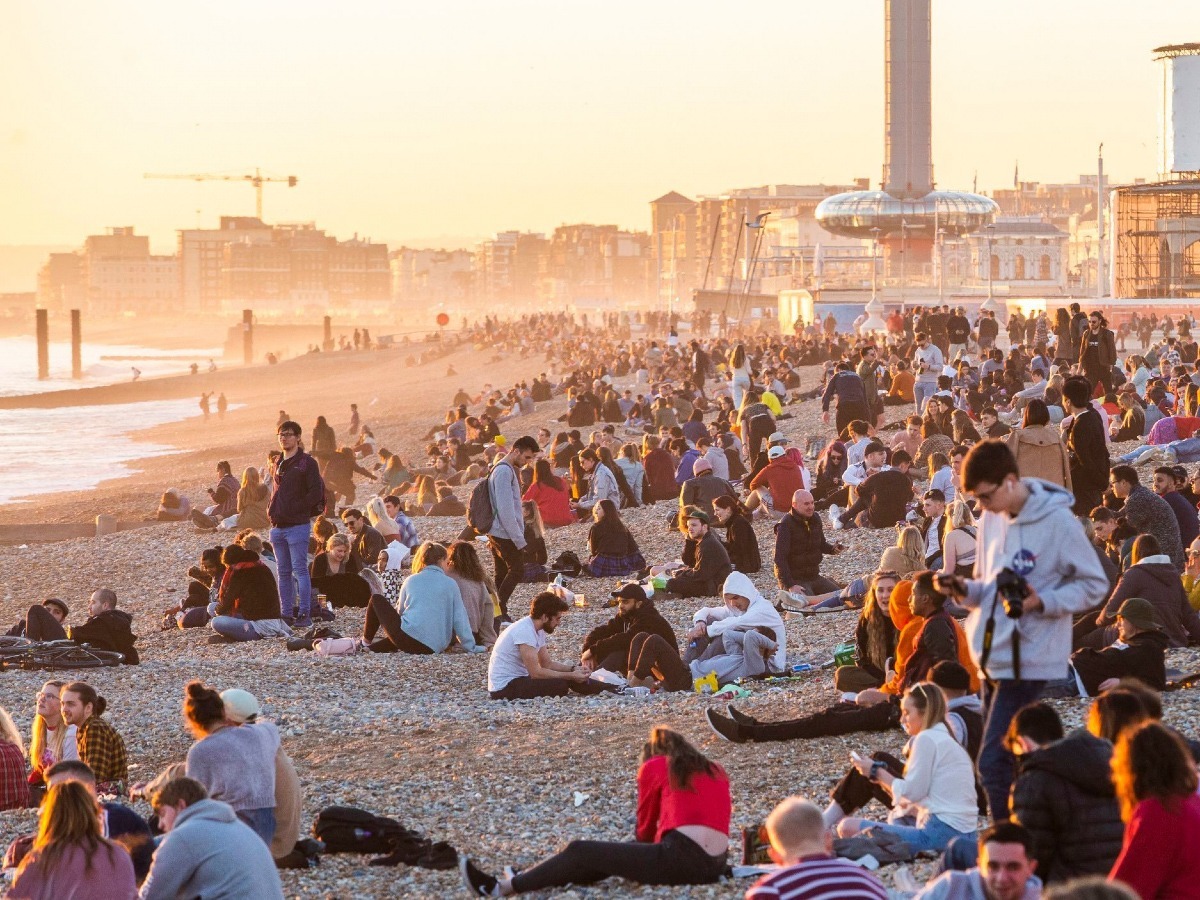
x=39 y=733
x=912 y=545
x=378 y=515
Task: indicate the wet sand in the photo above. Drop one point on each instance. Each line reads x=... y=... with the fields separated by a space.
x=400 y=404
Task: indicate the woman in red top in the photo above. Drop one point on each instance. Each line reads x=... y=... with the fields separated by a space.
x=683 y=817
x=1155 y=781
x=660 y=470
x=552 y=496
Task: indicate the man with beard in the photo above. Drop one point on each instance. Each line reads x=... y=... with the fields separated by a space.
x=521 y=667
x=608 y=645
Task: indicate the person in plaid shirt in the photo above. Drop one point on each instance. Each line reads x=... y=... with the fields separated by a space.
x=99 y=744
x=14 y=784
x=408 y=531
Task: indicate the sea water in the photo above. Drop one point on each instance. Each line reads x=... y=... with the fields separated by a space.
x=75 y=448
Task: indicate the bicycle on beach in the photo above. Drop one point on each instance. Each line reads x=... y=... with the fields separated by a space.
x=22 y=653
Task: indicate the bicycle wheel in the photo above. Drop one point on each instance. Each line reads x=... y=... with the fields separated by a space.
x=72 y=658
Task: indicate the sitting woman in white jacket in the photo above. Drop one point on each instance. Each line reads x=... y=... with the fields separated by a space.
x=932 y=796
x=742 y=639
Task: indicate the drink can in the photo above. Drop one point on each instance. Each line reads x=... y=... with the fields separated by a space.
x=801 y=668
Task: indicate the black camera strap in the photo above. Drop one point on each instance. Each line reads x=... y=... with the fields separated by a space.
x=989 y=635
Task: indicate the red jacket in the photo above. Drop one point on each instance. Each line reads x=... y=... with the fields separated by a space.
x=1158 y=859
x=784 y=478
x=555 y=506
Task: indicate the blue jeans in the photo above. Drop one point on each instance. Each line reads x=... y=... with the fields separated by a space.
x=922 y=391
x=933 y=835
x=1001 y=700
x=291 y=557
x=235 y=628
x=962 y=853
x=261 y=822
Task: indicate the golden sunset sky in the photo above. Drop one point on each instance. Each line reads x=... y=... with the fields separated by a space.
x=442 y=122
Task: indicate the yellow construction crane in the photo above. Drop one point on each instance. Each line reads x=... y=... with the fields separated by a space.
x=258 y=179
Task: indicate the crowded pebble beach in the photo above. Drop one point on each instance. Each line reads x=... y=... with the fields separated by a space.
x=418 y=738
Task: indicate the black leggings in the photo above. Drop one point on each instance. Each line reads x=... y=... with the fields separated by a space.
x=381 y=614
x=649 y=652
x=527 y=688
x=843 y=718
x=676 y=859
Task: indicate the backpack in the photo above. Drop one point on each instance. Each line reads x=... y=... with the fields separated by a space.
x=347 y=829
x=568 y=564
x=480 y=514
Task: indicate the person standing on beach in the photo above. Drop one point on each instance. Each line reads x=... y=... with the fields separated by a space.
x=298 y=496
x=222 y=405
x=204 y=407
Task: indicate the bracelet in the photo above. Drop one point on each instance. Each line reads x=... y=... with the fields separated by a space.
x=875 y=767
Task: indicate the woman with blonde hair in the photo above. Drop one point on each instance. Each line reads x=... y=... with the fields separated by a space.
x=682 y=836
x=1155 y=781
x=931 y=794
x=912 y=545
x=251 y=502
x=377 y=515
x=958 y=548
x=70 y=856
x=14 y=786
x=51 y=740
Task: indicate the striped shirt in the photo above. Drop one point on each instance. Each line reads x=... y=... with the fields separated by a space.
x=819 y=878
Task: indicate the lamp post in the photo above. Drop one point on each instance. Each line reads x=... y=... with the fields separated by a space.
x=989 y=305
x=941 y=278
x=903 y=260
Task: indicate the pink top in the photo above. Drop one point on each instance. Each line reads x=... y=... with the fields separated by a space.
x=555 y=506
x=109 y=878
x=661 y=808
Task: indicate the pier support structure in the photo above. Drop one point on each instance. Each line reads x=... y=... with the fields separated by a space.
x=327 y=344
x=248 y=337
x=43 y=344
x=76 y=345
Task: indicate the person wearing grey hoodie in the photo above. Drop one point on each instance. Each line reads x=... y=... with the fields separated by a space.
x=506 y=537
x=744 y=638
x=207 y=851
x=1026 y=529
x=1005 y=872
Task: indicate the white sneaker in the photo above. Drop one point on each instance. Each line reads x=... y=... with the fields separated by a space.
x=1147 y=456
x=1170 y=458
x=835 y=520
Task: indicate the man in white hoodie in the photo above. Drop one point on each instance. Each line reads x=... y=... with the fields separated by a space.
x=1026 y=529
x=732 y=640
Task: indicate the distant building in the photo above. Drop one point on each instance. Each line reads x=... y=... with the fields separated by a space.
x=597 y=265
x=1023 y=255
x=508 y=266
x=202 y=259
x=122 y=276
x=431 y=277
x=60 y=282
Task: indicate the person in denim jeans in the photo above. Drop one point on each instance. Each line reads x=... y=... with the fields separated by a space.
x=299 y=494
x=932 y=797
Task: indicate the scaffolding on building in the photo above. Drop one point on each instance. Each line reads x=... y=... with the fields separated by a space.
x=1157 y=237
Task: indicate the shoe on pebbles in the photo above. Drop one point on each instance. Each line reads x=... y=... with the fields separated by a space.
x=478 y=882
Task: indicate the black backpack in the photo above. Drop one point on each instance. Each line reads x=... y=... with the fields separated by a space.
x=568 y=564
x=480 y=514
x=347 y=829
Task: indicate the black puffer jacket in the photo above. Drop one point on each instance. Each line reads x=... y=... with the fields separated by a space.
x=1064 y=795
x=799 y=547
x=111 y=630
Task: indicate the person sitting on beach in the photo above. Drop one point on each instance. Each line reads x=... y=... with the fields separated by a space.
x=476 y=588
x=366 y=541
x=69 y=856
x=682 y=836
x=206 y=850
x=100 y=746
x=173 y=507
x=602 y=485
x=51 y=739
x=406 y=529
x=551 y=495
x=447 y=503
x=802 y=844
x=741 y=543
x=247 y=606
x=800 y=545
x=608 y=646
x=521 y=667
x=44 y=621
x=235 y=763
x=107 y=627
x=429 y=613
x=743 y=638
x=614 y=552
x=224 y=495
x=1006 y=870
x=703 y=565
x=703 y=487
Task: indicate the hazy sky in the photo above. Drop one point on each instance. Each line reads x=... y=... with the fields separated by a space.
x=452 y=120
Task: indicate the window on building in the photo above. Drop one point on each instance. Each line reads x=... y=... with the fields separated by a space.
x=1019 y=268
x=1044 y=268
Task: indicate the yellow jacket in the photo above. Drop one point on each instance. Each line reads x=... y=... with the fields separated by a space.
x=1192 y=587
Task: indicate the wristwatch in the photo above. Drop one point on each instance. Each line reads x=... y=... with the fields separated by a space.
x=875 y=767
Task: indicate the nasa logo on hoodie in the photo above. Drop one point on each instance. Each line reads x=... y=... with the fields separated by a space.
x=1024 y=562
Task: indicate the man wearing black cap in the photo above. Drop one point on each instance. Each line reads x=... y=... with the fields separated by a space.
x=1140 y=652
x=607 y=647
x=43 y=622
